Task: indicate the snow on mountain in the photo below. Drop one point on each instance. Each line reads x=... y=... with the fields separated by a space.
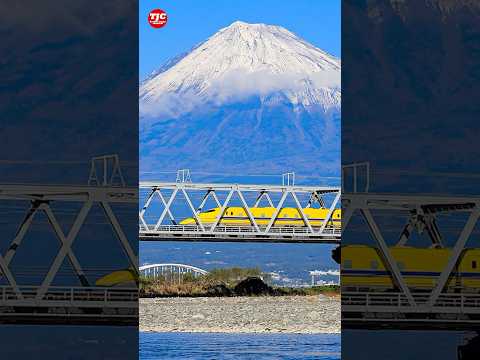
x=243 y=60
x=252 y=96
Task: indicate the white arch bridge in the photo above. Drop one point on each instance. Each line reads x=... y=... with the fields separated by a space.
x=163 y=223
x=172 y=272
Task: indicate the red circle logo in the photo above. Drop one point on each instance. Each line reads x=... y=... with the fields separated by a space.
x=157 y=18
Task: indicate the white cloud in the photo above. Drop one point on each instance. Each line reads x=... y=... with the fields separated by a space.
x=237 y=86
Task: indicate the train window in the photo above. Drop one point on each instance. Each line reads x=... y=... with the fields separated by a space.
x=374 y=264
x=347 y=264
x=474 y=264
x=401 y=266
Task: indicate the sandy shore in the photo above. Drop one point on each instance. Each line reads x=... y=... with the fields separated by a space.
x=283 y=314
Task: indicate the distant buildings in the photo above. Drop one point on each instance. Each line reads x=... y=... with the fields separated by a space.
x=315 y=274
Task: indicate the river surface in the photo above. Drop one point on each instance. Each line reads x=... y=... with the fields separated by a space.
x=402 y=344
x=203 y=346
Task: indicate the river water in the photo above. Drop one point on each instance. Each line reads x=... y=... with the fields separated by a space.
x=203 y=346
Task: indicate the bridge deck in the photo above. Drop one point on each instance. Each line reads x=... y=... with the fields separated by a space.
x=239 y=234
x=69 y=304
x=392 y=310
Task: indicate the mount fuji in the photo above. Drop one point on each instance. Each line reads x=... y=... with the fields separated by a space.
x=253 y=98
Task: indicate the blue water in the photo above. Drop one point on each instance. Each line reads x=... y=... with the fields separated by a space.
x=206 y=346
x=68 y=342
x=401 y=344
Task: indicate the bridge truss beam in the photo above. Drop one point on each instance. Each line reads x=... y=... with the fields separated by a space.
x=168 y=229
x=403 y=306
x=41 y=197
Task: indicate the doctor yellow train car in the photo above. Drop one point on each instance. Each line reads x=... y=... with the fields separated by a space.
x=362 y=267
x=127 y=278
x=237 y=216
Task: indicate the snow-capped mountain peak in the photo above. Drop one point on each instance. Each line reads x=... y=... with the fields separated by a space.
x=239 y=61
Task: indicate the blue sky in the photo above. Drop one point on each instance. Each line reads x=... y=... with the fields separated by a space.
x=191 y=22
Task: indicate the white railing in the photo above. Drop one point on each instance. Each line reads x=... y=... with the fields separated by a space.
x=397 y=302
x=69 y=296
x=234 y=229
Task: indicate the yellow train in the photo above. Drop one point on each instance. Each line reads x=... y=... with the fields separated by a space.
x=362 y=267
x=237 y=216
x=120 y=278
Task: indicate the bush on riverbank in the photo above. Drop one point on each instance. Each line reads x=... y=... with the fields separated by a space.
x=218 y=282
x=329 y=290
x=232 y=276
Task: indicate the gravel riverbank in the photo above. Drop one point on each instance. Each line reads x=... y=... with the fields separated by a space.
x=264 y=314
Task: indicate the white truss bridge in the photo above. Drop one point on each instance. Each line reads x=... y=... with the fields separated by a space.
x=172 y=272
x=406 y=308
x=45 y=300
x=164 y=225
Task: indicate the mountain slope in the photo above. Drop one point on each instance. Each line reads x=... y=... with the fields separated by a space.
x=250 y=89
